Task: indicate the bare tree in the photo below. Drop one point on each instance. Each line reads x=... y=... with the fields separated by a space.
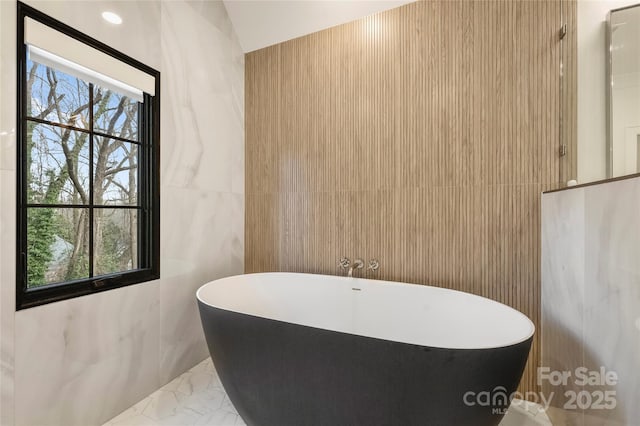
x=50 y=174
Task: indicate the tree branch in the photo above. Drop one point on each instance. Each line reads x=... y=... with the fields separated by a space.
x=111 y=172
x=119 y=185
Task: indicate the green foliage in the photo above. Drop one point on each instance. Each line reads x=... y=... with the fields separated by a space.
x=41 y=232
x=40 y=226
x=46 y=182
x=77 y=269
x=66 y=228
x=108 y=261
x=114 y=254
x=43 y=225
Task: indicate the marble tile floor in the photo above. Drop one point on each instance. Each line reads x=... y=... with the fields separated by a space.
x=197 y=398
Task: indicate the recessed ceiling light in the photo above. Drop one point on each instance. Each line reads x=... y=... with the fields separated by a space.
x=112 y=18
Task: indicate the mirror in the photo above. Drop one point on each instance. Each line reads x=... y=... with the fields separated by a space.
x=601 y=121
x=623 y=91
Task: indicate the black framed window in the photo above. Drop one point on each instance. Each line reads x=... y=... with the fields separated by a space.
x=88 y=177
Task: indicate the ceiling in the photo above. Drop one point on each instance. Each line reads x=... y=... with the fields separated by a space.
x=262 y=23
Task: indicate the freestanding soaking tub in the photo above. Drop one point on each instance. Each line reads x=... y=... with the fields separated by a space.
x=300 y=350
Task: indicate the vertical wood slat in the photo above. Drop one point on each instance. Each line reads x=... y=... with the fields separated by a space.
x=421 y=136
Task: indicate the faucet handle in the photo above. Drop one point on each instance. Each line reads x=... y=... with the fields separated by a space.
x=374 y=265
x=344 y=263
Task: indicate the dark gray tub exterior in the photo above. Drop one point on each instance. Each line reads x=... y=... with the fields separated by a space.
x=282 y=374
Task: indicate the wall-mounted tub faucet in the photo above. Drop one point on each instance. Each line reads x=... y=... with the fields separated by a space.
x=357 y=264
x=345 y=263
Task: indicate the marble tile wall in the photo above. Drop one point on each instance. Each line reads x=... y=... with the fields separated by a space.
x=591 y=296
x=81 y=361
x=7 y=210
x=203 y=103
x=563 y=227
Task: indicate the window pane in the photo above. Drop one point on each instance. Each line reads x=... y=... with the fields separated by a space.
x=115 y=240
x=55 y=96
x=58 y=165
x=115 y=114
x=57 y=245
x=115 y=180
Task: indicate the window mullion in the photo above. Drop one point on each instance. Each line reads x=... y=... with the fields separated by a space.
x=91 y=173
x=23 y=178
x=60 y=231
x=143 y=182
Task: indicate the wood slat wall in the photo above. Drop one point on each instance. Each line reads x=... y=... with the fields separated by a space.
x=421 y=136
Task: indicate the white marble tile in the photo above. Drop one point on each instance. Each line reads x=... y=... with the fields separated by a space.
x=198 y=91
x=220 y=418
x=85 y=359
x=237 y=167
x=6 y=391
x=195 y=397
x=197 y=248
x=137 y=420
x=7 y=207
x=215 y=13
x=236 y=242
x=204 y=401
x=61 y=356
x=7 y=85
x=228 y=405
x=183 y=417
x=612 y=291
x=130 y=414
x=7 y=296
x=591 y=301
x=163 y=404
x=524 y=413
x=562 y=299
x=194 y=382
x=202 y=232
x=126 y=343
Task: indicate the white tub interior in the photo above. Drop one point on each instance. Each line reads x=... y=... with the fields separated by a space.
x=414 y=314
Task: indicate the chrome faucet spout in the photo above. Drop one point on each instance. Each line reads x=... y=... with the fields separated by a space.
x=357 y=264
